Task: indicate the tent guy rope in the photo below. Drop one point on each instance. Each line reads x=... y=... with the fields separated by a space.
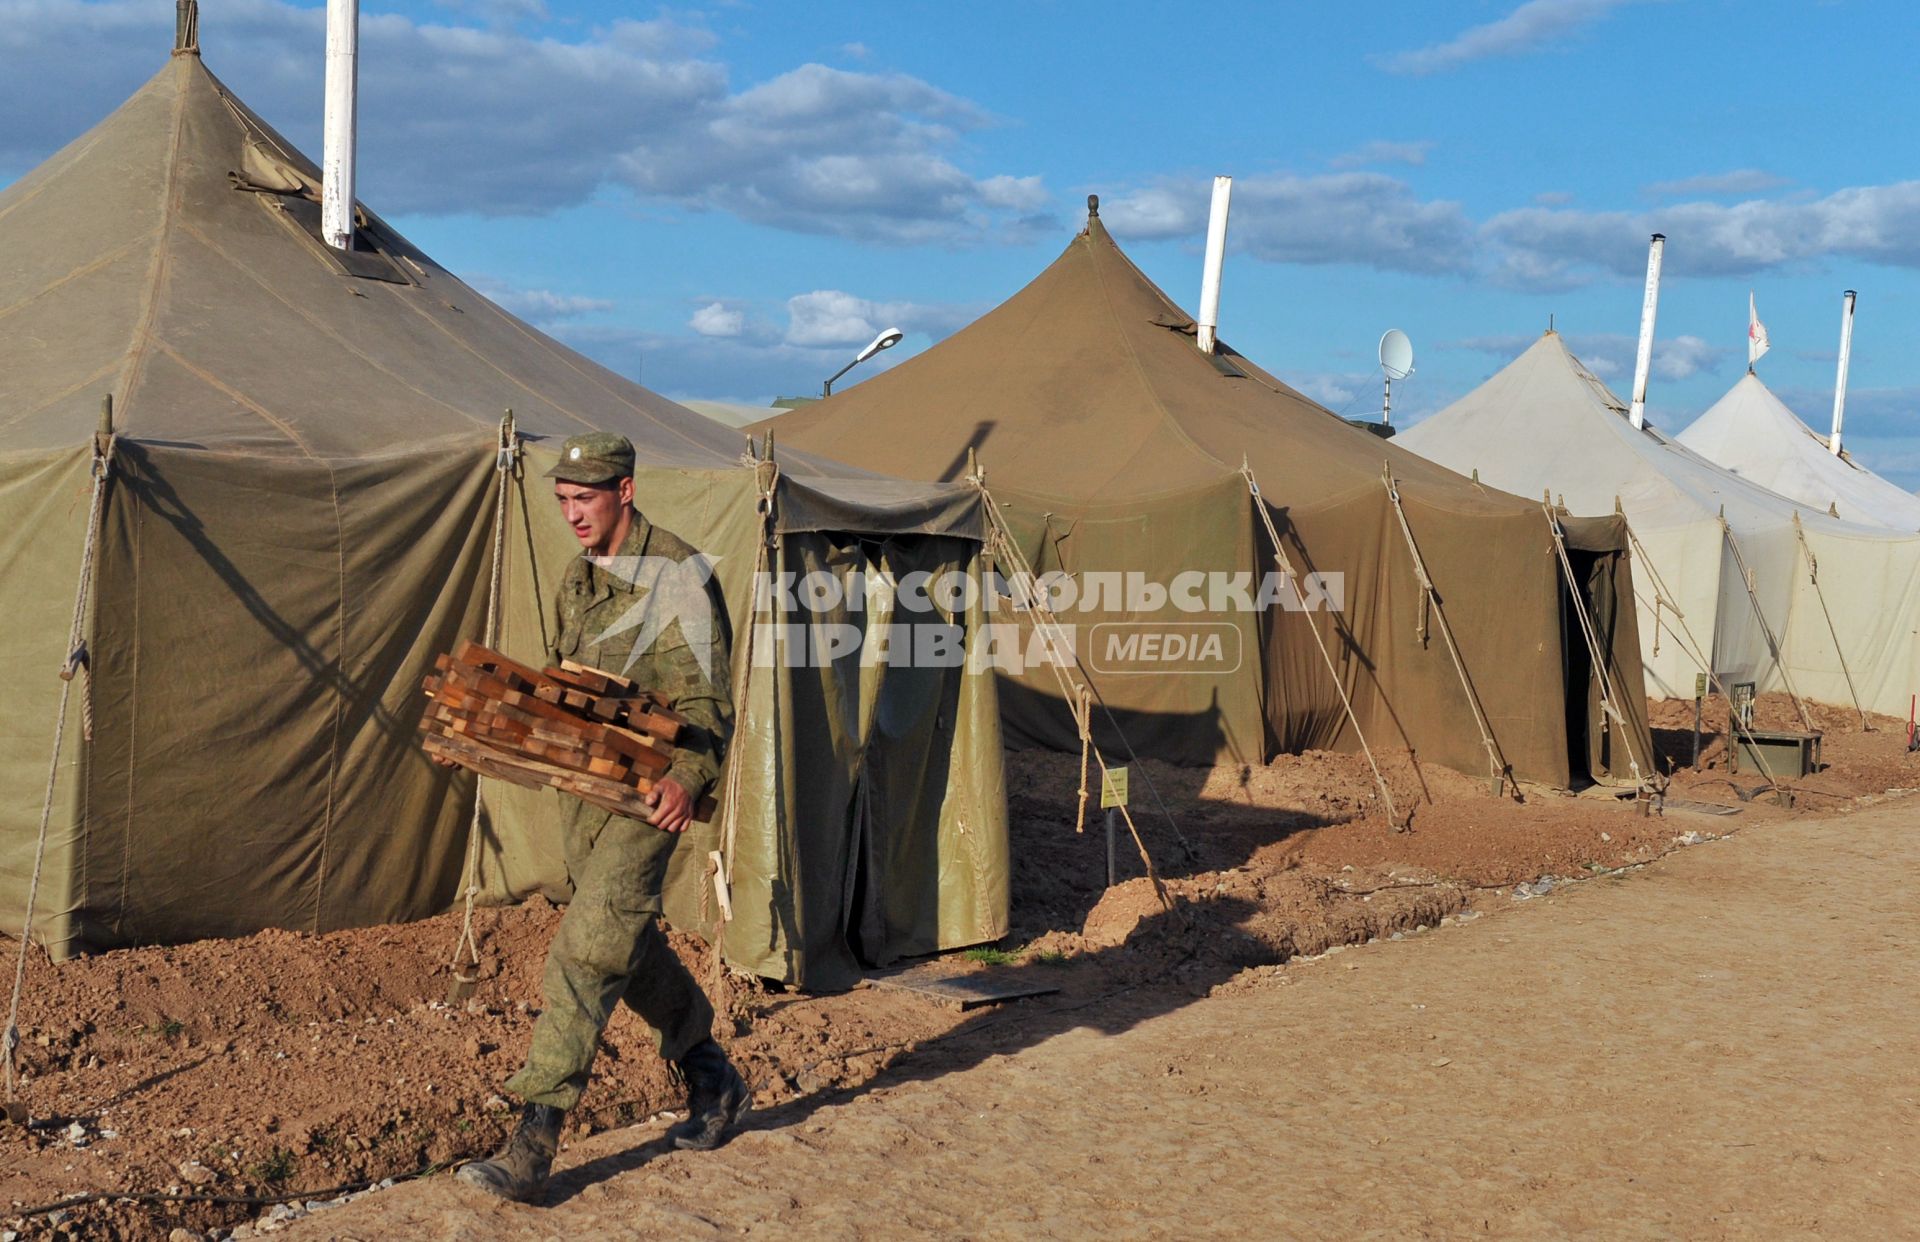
x=1813 y=576
x=1502 y=774
x=1001 y=542
x=506 y=461
x=101 y=468
x=1286 y=567
x=1690 y=644
x=1759 y=615
x=1596 y=654
x=721 y=860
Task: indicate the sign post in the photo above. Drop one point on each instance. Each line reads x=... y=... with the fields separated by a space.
x=1699 y=693
x=1113 y=796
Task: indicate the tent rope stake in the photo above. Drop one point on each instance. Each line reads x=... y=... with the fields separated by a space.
x=101 y=468
x=506 y=462
x=1001 y=543
x=1813 y=576
x=1690 y=645
x=1502 y=773
x=1281 y=559
x=1609 y=704
x=1773 y=644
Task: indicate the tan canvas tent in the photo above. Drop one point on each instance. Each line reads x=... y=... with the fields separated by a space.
x=302 y=509
x=1116 y=447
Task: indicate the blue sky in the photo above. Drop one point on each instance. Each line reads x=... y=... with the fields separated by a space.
x=724 y=201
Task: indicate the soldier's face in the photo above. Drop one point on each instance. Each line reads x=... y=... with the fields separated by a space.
x=598 y=515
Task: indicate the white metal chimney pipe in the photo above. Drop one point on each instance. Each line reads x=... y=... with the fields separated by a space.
x=1643 y=360
x=1216 y=259
x=341 y=120
x=1840 y=382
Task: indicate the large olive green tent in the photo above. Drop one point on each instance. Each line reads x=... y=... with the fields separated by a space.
x=301 y=510
x=1115 y=446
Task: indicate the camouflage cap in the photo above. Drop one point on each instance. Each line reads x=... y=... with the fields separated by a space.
x=594 y=458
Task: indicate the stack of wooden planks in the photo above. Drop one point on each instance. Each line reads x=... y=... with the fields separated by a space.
x=582 y=731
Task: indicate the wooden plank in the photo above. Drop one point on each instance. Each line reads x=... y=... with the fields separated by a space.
x=938 y=981
x=606 y=681
x=563 y=728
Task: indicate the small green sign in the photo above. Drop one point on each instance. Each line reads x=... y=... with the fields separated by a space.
x=1113 y=787
x=1699 y=685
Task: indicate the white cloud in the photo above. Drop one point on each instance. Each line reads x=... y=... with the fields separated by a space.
x=1553 y=198
x=788 y=349
x=822 y=150
x=1532 y=26
x=832 y=318
x=855 y=51
x=1610 y=355
x=447 y=127
x=1545 y=249
x=499 y=11
x=1339 y=391
x=1883 y=411
x=1380 y=151
x=716 y=319
x=1376 y=220
x=1739 y=181
x=1014 y=193
x=1352 y=217
x=540 y=306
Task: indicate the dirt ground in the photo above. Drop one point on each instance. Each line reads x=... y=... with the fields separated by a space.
x=291 y=1063
x=1716 y=1047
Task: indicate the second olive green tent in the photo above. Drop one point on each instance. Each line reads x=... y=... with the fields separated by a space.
x=1118 y=448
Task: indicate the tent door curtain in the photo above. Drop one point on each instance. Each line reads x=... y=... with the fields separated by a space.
x=1608 y=738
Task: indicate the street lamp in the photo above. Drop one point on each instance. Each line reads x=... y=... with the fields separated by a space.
x=886 y=340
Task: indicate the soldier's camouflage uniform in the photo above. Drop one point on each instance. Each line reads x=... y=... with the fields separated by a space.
x=609 y=946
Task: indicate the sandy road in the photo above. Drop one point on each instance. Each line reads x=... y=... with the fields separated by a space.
x=1724 y=1045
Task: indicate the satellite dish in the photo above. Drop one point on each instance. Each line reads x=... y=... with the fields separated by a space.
x=1396 y=354
x=1396 y=360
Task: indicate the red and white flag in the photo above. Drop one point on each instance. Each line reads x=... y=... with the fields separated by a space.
x=1756 y=333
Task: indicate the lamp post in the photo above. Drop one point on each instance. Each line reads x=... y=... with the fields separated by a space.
x=886 y=340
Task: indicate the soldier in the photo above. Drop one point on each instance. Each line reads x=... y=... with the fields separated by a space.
x=635 y=602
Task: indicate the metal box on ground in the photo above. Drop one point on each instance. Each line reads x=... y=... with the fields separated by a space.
x=1781 y=754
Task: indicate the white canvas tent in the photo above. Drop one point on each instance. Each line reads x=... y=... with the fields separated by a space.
x=1752 y=433
x=1729 y=573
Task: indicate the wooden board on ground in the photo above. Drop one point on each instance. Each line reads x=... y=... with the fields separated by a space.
x=946 y=984
x=1689 y=807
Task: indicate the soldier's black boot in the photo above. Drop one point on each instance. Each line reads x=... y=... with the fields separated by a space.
x=717 y=1097
x=520 y=1169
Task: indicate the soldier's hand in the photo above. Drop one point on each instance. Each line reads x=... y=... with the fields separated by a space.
x=672 y=805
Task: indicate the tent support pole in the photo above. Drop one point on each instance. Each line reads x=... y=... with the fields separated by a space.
x=1609 y=704
x=1773 y=644
x=1813 y=576
x=1691 y=645
x=77 y=661
x=1002 y=542
x=1501 y=776
x=1281 y=559
x=506 y=459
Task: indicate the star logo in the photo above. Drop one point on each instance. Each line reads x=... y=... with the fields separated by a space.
x=666 y=592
